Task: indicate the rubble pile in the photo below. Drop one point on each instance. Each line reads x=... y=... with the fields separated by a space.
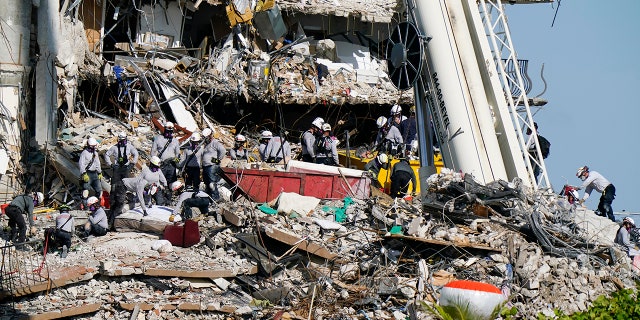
x=366 y=10
x=374 y=258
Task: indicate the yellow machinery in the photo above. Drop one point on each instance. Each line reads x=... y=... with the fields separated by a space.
x=384 y=177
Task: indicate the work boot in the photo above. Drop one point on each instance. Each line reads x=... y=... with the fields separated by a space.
x=64 y=252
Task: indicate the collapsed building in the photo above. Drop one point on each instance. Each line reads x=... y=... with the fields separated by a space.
x=76 y=69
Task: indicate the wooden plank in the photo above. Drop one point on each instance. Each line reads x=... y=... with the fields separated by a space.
x=292 y=239
x=66 y=312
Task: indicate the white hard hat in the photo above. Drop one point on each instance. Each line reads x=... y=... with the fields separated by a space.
x=267 y=134
x=396 y=109
x=168 y=125
x=176 y=185
x=317 y=122
x=383 y=158
x=582 y=170
x=122 y=135
x=39 y=197
x=155 y=161
x=92 y=200
x=381 y=122
x=630 y=220
x=241 y=138
x=206 y=132
x=92 y=142
x=195 y=137
x=326 y=127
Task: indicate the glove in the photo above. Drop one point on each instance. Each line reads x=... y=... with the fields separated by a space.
x=99 y=176
x=84 y=177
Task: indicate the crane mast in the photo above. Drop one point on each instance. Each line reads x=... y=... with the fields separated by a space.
x=463 y=89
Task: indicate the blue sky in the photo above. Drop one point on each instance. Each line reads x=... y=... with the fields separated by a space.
x=592 y=68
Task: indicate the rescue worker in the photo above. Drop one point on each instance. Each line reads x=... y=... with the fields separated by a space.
x=188 y=200
x=167 y=148
x=308 y=139
x=191 y=161
x=125 y=157
x=65 y=225
x=265 y=136
x=22 y=204
x=90 y=170
x=97 y=223
x=389 y=137
x=623 y=237
x=409 y=128
x=395 y=116
x=373 y=167
x=326 y=147
x=592 y=180
x=239 y=151
x=212 y=154
x=277 y=150
x=144 y=186
x=401 y=175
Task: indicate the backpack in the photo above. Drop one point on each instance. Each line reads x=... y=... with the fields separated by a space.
x=545 y=145
x=323 y=145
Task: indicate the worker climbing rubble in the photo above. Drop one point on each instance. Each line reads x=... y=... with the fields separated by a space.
x=592 y=180
x=166 y=147
x=90 y=170
x=401 y=175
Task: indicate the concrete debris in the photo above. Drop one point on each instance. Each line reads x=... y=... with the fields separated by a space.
x=379 y=260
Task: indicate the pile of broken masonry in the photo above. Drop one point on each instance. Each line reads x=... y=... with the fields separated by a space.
x=381 y=261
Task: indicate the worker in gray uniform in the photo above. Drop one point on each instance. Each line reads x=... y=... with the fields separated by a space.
x=190 y=199
x=277 y=150
x=97 y=223
x=212 y=154
x=326 y=147
x=592 y=180
x=401 y=175
x=239 y=150
x=90 y=170
x=308 y=140
x=265 y=136
x=166 y=147
x=389 y=138
x=191 y=161
x=124 y=155
x=65 y=224
x=22 y=204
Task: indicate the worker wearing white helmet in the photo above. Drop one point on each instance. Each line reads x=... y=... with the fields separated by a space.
x=326 y=147
x=623 y=237
x=396 y=116
x=213 y=153
x=166 y=147
x=140 y=186
x=191 y=161
x=90 y=170
x=265 y=136
x=97 y=221
x=389 y=138
x=65 y=225
x=190 y=199
x=308 y=140
x=22 y=204
x=381 y=161
x=277 y=150
x=239 y=150
x=125 y=156
x=592 y=180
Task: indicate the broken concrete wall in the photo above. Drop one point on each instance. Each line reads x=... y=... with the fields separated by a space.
x=161 y=24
